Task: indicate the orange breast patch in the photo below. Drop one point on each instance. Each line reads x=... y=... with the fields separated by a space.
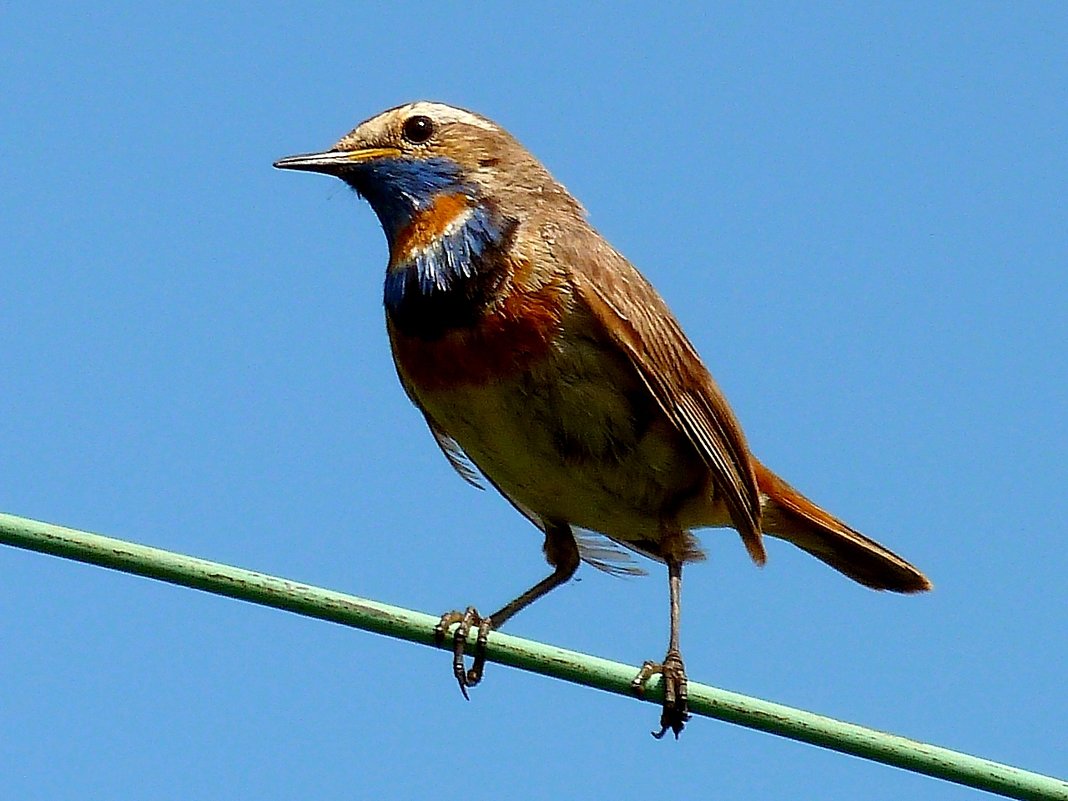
x=515 y=333
x=427 y=226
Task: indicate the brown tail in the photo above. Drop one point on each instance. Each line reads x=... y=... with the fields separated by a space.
x=791 y=516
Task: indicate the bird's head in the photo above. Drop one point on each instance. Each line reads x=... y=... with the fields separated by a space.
x=451 y=189
x=408 y=158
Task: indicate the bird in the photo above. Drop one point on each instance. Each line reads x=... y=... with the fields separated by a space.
x=546 y=366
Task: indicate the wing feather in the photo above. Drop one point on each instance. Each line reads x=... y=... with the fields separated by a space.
x=459 y=460
x=639 y=323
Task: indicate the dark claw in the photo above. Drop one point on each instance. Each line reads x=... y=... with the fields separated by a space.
x=459 y=642
x=474 y=675
x=673 y=676
x=464 y=677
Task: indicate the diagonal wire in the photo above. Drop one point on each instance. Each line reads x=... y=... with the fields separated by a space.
x=536 y=657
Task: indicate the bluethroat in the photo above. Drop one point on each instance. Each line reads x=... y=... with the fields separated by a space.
x=546 y=365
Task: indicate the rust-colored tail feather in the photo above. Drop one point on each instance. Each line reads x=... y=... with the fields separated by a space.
x=791 y=516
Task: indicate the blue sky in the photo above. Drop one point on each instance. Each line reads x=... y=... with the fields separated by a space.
x=859 y=217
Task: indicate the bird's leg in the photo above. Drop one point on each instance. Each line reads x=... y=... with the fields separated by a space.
x=561 y=551
x=671 y=670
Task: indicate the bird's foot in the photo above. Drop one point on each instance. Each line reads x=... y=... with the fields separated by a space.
x=673 y=676
x=470 y=617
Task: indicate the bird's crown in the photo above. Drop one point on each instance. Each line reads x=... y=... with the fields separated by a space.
x=425 y=130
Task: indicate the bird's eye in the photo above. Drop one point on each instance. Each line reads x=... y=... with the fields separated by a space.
x=418 y=129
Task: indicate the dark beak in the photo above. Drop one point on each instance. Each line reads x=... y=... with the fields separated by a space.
x=335 y=162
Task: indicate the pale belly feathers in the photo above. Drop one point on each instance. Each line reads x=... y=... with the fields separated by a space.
x=577 y=438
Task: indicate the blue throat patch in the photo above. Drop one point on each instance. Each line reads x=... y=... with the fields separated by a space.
x=398 y=189
x=447 y=283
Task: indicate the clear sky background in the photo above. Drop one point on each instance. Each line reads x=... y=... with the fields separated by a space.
x=858 y=215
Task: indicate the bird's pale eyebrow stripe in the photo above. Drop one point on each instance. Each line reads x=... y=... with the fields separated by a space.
x=445 y=113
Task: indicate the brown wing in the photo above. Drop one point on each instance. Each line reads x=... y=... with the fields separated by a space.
x=640 y=324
